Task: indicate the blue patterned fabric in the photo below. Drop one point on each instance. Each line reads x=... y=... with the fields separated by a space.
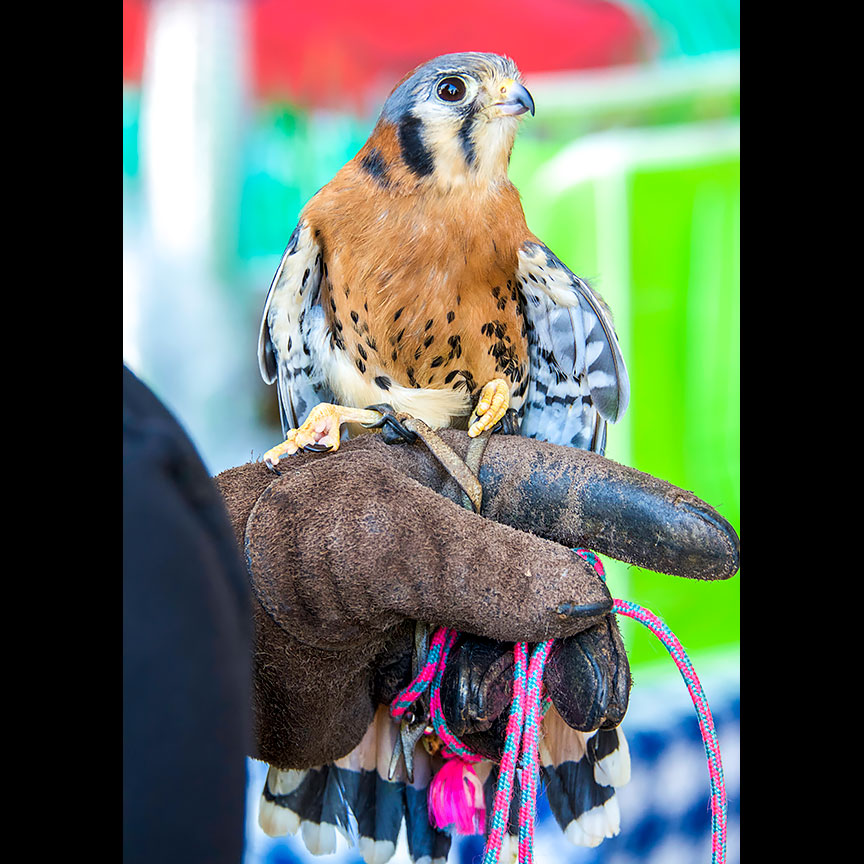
x=665 y=814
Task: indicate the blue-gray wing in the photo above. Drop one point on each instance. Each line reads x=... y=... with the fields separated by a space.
x=577 y=377
x=294 y=323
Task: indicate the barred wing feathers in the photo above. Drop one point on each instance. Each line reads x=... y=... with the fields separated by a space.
x=578 y=380
x=292 y=325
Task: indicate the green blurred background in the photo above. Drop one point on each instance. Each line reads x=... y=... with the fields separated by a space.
x=629 y=172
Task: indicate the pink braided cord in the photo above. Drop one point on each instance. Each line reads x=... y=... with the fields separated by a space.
x=530 y=758
x=507 y=766
x=703 y=713
x=407 y=697
x=523 y=729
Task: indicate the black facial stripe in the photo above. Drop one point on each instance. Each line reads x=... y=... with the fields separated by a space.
x=415 y=153
x=466 y=140
x=374 y=163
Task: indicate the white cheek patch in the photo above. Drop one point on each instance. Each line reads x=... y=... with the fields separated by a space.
x=442 y=139
x=493 y=141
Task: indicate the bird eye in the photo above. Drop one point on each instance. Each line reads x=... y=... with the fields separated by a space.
x=451 y=89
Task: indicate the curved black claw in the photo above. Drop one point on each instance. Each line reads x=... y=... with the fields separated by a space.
x=392 y=431
x=508 y=424
x=317 y=448
x=410 y=732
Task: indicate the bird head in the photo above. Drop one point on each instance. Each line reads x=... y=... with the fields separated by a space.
x=456 y=117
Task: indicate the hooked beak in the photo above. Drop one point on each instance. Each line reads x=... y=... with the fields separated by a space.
x=515 y=99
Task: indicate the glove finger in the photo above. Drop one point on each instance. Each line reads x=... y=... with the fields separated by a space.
x=477 y=685
x=346 y=547
x=578 y=498
x=570 y=496
x=587 y=677
x=477 y=692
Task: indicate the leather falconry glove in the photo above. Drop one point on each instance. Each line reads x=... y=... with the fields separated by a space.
x=351 y=553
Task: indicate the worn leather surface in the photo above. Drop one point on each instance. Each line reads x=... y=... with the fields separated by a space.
x=346 y=550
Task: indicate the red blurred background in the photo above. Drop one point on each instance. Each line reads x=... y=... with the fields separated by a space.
x=335 y=53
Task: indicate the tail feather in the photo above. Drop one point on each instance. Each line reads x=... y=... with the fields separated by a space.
x=319 y=837
x=426 y=843
x=275 y=815
x=352 y=796
x=379 y=813
x=610 y=754
x=305 y=799
x=580 y=772
x=321 y=801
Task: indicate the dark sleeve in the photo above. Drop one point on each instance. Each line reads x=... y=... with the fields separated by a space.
x=187 y=636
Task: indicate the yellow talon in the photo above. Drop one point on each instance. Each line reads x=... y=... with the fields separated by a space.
x=322 y=428
x=491 y=407
x=286 y=448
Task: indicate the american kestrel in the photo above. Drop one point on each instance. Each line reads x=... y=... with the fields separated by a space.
x=412 y=279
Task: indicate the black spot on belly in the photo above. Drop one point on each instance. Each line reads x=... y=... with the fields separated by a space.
x=466 y=380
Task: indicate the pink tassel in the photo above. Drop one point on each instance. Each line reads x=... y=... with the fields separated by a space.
x=456 y=798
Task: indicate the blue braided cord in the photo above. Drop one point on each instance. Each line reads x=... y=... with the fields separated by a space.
x=511 y=746
x=710 y=732
x=593 y=559
x=451 y=743
x=531 y=731
x=402 y=701
x=706 y=724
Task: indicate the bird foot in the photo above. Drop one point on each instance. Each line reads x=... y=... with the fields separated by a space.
x=491 y=407
x=321 y=431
